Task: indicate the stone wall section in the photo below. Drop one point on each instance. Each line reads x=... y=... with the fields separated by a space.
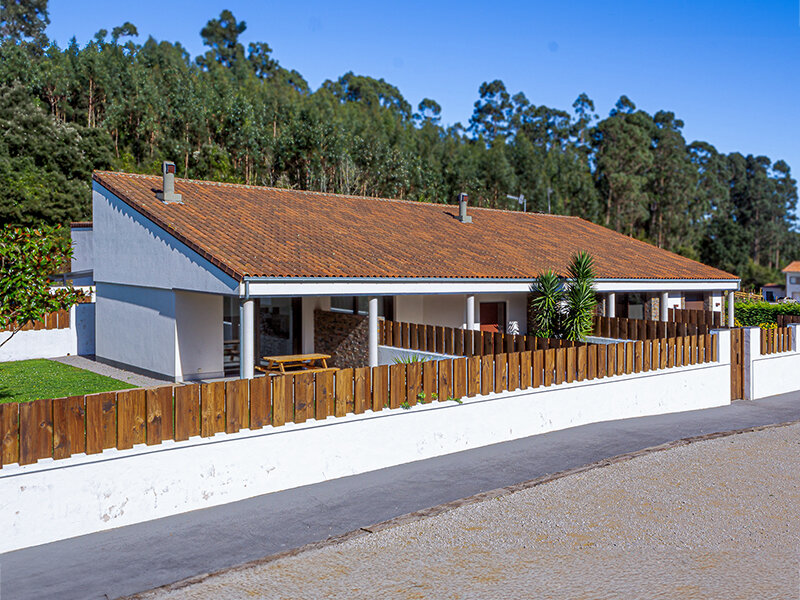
x=344 y=336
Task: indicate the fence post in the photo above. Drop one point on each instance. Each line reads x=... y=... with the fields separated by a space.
x=794 y=329
x=752 y=350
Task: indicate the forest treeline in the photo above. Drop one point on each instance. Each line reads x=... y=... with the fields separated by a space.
x=236 y=114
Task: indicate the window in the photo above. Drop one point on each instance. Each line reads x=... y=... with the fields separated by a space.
x=794 y=280
x=359 y=305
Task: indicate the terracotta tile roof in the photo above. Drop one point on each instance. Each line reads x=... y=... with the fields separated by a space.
x=269 y=232
x=792 y=267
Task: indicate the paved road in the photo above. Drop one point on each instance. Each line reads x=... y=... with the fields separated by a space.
x=139 y=557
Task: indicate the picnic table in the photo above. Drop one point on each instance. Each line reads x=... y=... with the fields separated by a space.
x=296 y=363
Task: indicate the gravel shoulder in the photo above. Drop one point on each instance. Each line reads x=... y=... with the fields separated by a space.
x=710 y=519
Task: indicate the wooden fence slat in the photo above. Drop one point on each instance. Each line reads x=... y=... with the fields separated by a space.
x=159 y=422
x=397 y=385
x=500 y=372
x=343 y=402
x=361 y=388
x=324 y=393
x=9 y=433
x=236 y=405
x=561 y=365
x=303 y=397
x=380 y=387
x=459 y=384
x=445 y=379
x=638 y=356
x=513 y=371
x=187 y=412
x=35 y=431
x=430 y=380
x=591 y=362
x=629 y=357
x=487 y=374
x=647 y=349
x=69 y=426
x=692 y=347
x=413 y=383
x=405 y=342
x=281 y=400
x=537 y=368
x=260 y=402
x=212 y=408
x=413 y=337
x=572 y=366
x=549 y=366
x=611 y=364
x=131 y=418
x=670 y=352
x=524 y=370
x=448 y=340
x=602 y=360
x=620 y=369
x=101 y=422
x=473 y=376
x=655 y=359
x=458 y=342
x=397 y=334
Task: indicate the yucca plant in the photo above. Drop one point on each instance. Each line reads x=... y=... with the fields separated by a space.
x=565 y=309
x=580 y=298
x=547 y=300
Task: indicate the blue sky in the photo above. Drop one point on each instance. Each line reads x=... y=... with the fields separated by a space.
x=728 y=69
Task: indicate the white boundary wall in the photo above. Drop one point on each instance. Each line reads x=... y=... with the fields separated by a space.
x=769 y=374
x=54 y=500
x=78 y=338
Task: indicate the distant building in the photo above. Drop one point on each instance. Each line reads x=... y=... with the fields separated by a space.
x=772 y=292
x=792 y=272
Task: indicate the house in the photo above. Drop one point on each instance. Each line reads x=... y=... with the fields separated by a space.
x=771 y=292
x=185 y=270
x=792 y=272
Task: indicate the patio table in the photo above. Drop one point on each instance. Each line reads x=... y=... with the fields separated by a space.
x=293 y=363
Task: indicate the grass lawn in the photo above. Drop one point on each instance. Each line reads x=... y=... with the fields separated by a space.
x=25 y=380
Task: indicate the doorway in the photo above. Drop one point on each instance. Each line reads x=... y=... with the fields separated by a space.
x=493 y=316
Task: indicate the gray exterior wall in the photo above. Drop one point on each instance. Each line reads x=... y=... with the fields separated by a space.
x=130 y=250
x=135 y=327
x=82 y=253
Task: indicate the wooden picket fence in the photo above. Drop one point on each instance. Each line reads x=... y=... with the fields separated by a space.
x=776 y=340
x=786 y=320
x=709 y=318
x=89 y=424
x=53 y=320
x=460 y=342
x=620 y=328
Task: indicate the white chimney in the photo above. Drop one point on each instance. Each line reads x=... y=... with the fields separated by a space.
x=168 y=194
x=462 y=209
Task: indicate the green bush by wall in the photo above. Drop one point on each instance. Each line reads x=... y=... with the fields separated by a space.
x=750 y=314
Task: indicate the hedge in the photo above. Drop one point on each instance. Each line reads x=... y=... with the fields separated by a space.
x=750 y=314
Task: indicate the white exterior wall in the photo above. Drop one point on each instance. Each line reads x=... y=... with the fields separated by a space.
x=82 y=253
x=769 y=374
x=199 y=336
x=793 y=289
x=130 y=250
x=450 y=310
x=136 y=327
x=78 y=338
x=53 y=500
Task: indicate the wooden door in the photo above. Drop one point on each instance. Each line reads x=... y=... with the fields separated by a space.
x=737 y=363
x=493 y=316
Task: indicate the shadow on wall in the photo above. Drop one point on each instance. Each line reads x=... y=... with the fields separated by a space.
x=84 y=328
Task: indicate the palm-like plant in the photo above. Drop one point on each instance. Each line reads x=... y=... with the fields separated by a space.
x=580 y=297
x=565 y=311
x=547 y=299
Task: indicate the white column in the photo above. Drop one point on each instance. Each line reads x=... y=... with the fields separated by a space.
x=611 y=305
x=723 y=345
x=752 y=350
x=373 y=331
x=730 y=309
x=247 y=338
x=663 y=306
x=470 y=313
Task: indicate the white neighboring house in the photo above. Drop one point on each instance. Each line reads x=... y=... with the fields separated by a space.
x=185 y=270
x=792 y=272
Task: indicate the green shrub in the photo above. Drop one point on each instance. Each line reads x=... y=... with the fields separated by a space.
x=751 y=314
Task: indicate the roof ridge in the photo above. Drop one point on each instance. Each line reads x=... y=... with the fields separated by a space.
x=328 y=194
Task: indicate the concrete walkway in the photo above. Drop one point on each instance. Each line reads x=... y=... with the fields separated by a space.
x=89 y=364
x=139 y=557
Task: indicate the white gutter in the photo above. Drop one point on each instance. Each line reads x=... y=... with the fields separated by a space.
x=340 y=286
